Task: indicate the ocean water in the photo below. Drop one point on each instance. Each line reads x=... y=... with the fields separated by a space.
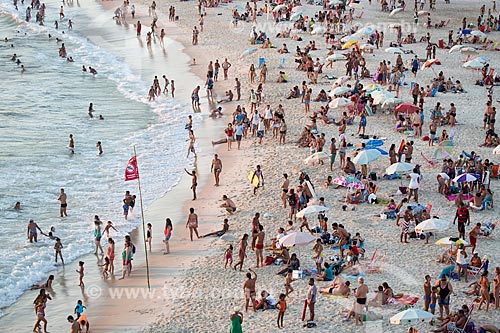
x=38 y=111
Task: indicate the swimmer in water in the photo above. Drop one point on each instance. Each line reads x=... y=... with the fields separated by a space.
x=14 y=57
x=71 y=144
x=99 y=148
x=47 y=284
x=91 y=110
x=17 y=206
x=84 y=69
x=22 y=69
x=92 y=71
x=101 y=117
x=70 y=59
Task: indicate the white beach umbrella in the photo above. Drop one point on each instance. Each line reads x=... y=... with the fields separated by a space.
x=456 y=48
x=318 y=30
x=468 y=50
x=340 y=81
x=445 y=241
x=316 y=157
x=298 y=9
x=278 y=7
x=340 y=102
x=411 y=316
x=248 y=52
x=395 y=11
x=478 y=33
x=295 y=16
x=483 y=60
x=336 y=56
x=367 y=47
x=366 y=156
x=473 y=64
x=339 y=91
x=313 y=209
x=391 y=101
x=355 y=6
x=399 y=168
x=365 y=31
x=496 y=151
x=422 y=12
x=433 y=225
x=297 y=239
x=349 y=38
x=394 y=25
x=394 y=50
x=334 y=2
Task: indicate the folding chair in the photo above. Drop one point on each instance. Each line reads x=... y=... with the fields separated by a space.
x=462 y=330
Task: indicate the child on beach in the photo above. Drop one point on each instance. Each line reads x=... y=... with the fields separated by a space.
x=281 y=310
x=228 y=255
x=288 y=282
x=167 y=232
x=81 y=273
x=79 y=308
x=125 y=209
x=432 y=305
x=105 y=268
x=149 y=235
x=108 y=226
x=57 y=250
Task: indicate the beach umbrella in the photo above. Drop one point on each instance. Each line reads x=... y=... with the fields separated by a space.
x=318 y=30
x=456 y=48
x=367 y=47
x=451 y=241
x=239 y=8
x=432 y=225
x=334 y=2
x=278 y=8
x=340 y=181
x=478 y=33
x=465 y=177
x=379 y=96
x=464 y=32
x=298 y=9
x=483 y=60
x=248 y=51
x=440 y=153
x=394 y=25
x=365 y=31
x=422 y=12
x=394 y=50
x=399 y=168
x=395 y=11
x=473 y=64
x=447 y=145
x=411 y=316
x=444 y=175
x=406 y=108
x=297 y=239
x=366 y=156
x=382 y=152
x=353 y=182
x=313 y=209
x=468 y=50
x=349 y=38
x=336 y=56
x=374 y=143
x=316 y=157
x=391 y=101
x=340 y=81
x=431 y=62
x=339 y=91
x=496 y=151
x=355 y=6
x=295 y=16
x=340 y=102
x=372 y=87
x=349 y=44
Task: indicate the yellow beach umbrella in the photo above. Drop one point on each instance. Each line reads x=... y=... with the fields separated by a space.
x=349 y=44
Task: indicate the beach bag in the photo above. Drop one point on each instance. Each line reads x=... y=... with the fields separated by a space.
x=269 y=260
x=292 y=200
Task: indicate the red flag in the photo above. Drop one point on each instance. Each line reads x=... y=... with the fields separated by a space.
x=131 y=171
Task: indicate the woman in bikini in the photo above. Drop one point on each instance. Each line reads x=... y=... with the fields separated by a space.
x=485 y=290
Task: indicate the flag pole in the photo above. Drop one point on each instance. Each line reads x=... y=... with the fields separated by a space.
x=143 y=223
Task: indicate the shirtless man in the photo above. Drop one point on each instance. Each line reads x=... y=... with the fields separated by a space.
x=473 y=234
x=218 y=233
x=99 y=148
x=75 y=326
x=249 y=289
x=360 y=294
x=31 y=232
x=259 y=246
x=216 y=168
x=427 y=292
x=165 y=89
x=62 y=200
x=228 y=204
x=192 y=223
x=225 y=67
x=194 y=182
x=342 y=234
x=337 y=290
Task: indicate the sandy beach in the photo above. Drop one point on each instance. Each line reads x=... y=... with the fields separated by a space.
x=190 y=289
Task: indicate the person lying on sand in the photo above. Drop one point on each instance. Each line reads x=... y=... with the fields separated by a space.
x=225 y=228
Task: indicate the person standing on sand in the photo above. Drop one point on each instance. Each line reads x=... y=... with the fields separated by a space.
x=172 y=87
x=236 y=321
x=110 y=253
x=284 y=189
x=192 y=140
x=242 y=248
x=167 y=232
x=427 y=292
x=63 y=203
x=237 y=87
x=260 y=177
x=138 y=28
x=192 y=223
x=225 y=67
x=216 y=168
x=194 y=182
x=259 y=246
x=249 y=289
x=360 y=294
x=75 y=325
x=311 y=298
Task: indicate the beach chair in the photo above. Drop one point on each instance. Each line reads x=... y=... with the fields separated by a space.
x=475 y=272
x=375 y=267
x=282 y=63
x=462 y=330
x=261 y=61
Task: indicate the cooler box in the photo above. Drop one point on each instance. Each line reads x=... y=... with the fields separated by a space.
x=440 y=43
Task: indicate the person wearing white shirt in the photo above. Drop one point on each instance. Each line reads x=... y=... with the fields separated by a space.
x=414 y=184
